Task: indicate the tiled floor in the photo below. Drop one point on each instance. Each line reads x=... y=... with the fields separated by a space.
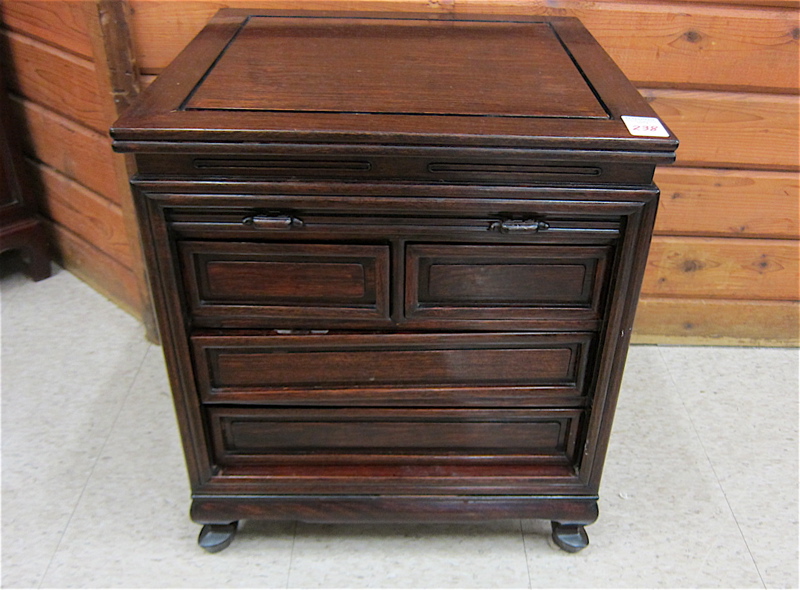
x=700 y=487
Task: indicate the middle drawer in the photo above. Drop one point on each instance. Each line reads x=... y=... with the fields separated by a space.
x=482 y=369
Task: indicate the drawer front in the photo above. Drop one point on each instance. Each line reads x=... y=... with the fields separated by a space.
x=234 y=282
x=496 y=282
x=395 y=369
x=243 y=435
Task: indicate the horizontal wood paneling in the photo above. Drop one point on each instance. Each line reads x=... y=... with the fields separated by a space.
x=60 y=23
x=56 y=79
x=655 y=43
x=723 y=268
x=734 y=203
x=772 y=3
x=161 y=29
x=731 y=130
x=80 y=153
x=93 y=266
x=659 y=44
x=717 y=321
x=85 y=213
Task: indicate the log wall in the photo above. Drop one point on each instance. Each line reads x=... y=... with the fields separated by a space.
x=723 y=75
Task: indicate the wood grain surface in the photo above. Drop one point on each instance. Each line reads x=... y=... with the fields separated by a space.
x=732 y=203
x=731 y=130
x=88 y=215
x=723 y=268
x=60 y=23
x=56 y=79
x=655 y=43
x=98 y=269
x=80 y=153
x=717 y=322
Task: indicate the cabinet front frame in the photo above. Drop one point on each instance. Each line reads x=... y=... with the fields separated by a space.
x=636 y=206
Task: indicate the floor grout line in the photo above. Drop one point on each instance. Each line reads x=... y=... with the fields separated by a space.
x=525 y=551
x=96 y=461
x=291 y=555
x=711 y=464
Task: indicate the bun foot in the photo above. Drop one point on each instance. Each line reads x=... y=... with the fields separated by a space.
x=215 y=537
x=570 y=537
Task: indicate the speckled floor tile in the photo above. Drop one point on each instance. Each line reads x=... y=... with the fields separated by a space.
x=69 y=357
x=700 y=486
x=480 y=555
x=131 y=528
x=744 y=405
x=664 y=522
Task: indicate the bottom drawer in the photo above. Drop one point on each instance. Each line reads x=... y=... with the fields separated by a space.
x=270 y=436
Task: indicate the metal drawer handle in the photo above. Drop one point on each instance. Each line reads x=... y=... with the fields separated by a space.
x=272 y=222
x=512 y=226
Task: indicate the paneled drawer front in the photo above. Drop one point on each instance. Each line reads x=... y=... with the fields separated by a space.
x=233 y=281
x=350 y=435
x=395 y=369
x=494 y=282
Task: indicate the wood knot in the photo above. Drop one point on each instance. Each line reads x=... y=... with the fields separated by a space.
x=796 y=33
x=692 y=36
x=691 y=265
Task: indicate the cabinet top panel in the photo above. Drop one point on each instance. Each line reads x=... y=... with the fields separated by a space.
x=397 y=79
x=406 y=67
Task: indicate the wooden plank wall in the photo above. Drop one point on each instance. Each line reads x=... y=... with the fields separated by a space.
x=64 y=108
x=723 y=75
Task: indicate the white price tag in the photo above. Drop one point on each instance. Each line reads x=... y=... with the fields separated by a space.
x=645 y=126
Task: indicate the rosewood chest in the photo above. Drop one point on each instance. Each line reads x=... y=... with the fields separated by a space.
x=395 y=260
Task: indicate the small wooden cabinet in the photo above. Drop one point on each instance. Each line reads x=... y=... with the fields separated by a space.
x=395 y=260
x=21 y=228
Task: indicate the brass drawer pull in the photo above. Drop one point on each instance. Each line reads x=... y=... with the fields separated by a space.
x=272 y=222
x=512 y=226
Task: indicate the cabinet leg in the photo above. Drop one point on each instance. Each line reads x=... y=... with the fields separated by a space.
x=215 y=537
x=570 y=537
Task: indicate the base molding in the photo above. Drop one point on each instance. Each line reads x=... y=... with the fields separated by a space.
x=343 y=509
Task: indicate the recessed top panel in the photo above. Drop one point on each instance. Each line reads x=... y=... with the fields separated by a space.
x=408 y=66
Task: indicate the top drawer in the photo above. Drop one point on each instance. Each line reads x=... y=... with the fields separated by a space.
x=508 y=282
x=231 y=283
x=342 y=272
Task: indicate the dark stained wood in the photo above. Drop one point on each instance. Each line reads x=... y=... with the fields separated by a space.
x=266 y=437
x=296 y=280
x=409 y=302
x=398 y=66
x=21 y=228
x=395 y=369
x=438 y=508
x=165 y=112
x=504 y=281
